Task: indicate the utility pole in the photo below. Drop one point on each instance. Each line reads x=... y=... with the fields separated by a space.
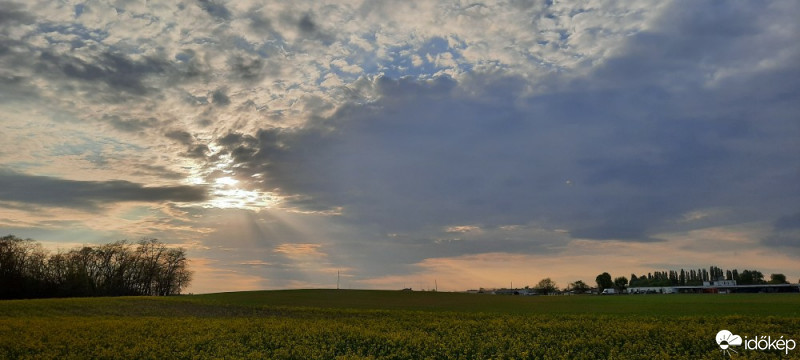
x=337 y=279
x=435 y=286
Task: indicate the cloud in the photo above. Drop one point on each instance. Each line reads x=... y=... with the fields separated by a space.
x=785 y=232
x=789 y=222
x=632 y=137
x=158 y=171
x=218 y=11
x=220 y=98
x=306 y=25
x=425 y=154
x=131 y=125
x=417 y=129
x=300 y=250
x=183 y=137
x=14 y=13
x=50 y=191
x=116 y=70
x=578 y=261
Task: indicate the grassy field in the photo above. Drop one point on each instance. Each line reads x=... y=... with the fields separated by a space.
x=636 y=305
x=353 y=324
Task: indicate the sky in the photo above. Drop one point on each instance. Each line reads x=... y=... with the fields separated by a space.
x=394 y=144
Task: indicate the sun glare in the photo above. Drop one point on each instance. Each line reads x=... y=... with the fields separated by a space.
x=227 y=195
x=242 y=199
x=227 y=192
x=229 y=181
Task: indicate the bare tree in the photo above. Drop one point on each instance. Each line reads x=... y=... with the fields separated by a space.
x=546 y=286
x=579 y=287
x=148 y=267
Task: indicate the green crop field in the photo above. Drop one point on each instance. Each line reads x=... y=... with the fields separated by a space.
x=351 y=324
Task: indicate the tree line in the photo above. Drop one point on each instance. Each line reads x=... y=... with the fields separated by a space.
x=692 y=277
x=696 y=277
x=686 y=278
x=147 y=267
x=669 y=278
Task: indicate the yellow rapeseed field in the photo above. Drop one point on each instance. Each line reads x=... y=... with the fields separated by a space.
x=209 y=327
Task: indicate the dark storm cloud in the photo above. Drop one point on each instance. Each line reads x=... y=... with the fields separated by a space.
x=118 y=71
x=131 y=124
x=622 y=153
x=307 y=27
x=422 y=157
x=260 y=23
x=183 y=137
x=12 y=13
x=197 y=151
x=220 y=98
x=233 y=141
x=14 y=87
x=785 y=232
x=106 y=75
x=193 y=148
x=159 y=171
x=214 y=9
x=189 y=66
x=789 y=222
x=50 y=191
x=247 y=68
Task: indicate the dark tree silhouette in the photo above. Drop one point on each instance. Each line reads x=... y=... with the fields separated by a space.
x=620 y=283
x=579 y=287
x=147 y=267
x=777 y=279
x=604 y=282
x=546 y=286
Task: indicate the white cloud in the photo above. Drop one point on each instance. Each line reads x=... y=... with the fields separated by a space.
x=349 y=68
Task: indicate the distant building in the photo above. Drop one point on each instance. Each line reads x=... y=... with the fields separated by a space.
x=505 y=291
x=717 y=287
x=526 y=292
x=652 y=290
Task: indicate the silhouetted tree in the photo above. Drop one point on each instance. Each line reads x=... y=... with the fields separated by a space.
x=120 y=268
x=620 y=283
x=777 y=279
x=751 y=277
x=546 y=286
x=682 y=278
x=579 y=287
x=604 y=282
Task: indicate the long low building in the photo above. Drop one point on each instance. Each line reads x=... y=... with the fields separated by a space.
x=718 y=287
x=729 y=289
